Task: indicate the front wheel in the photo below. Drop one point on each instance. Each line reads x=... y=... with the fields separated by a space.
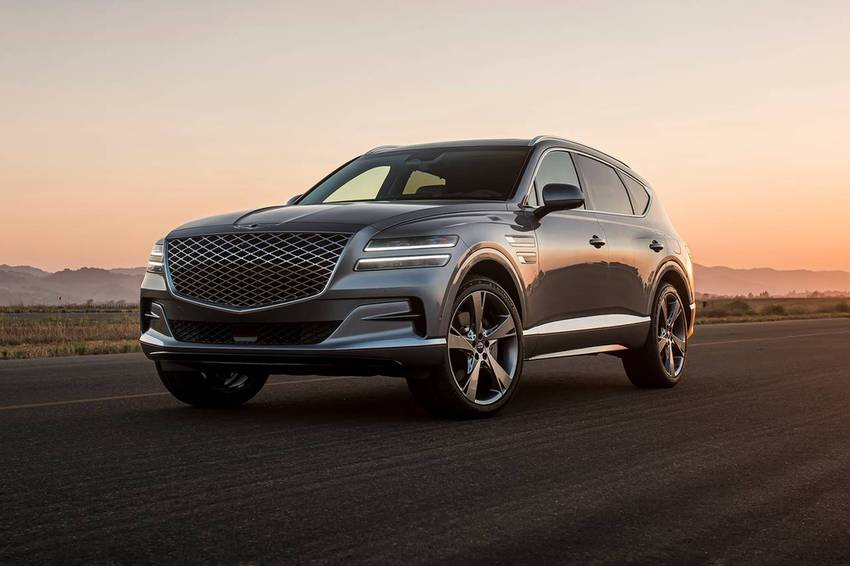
x=661 y=360
x=483 y=356
x=216 y=388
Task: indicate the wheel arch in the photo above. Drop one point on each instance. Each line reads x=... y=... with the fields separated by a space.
x=486 y=262
x=674 y=274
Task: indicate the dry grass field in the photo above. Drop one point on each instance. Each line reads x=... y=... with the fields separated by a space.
x=44 y=331
x=37 y=332
x=746 y=309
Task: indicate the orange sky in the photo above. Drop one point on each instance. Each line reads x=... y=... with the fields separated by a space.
x=119 y=122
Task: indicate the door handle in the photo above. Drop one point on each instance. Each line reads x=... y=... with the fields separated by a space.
x=656 y=246
x=597 y=242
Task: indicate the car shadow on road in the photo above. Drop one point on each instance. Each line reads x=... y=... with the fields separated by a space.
x=387 y=400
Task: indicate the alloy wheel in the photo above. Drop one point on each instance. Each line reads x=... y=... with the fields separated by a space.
x=672 y=334
x=483 y=347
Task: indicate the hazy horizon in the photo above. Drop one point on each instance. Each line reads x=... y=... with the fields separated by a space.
x=142 y=266
x=122 y=121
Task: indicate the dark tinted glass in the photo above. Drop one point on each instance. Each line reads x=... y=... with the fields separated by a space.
x=557 y=167
x=640 y=198
x=432 y=174
x=606 y=190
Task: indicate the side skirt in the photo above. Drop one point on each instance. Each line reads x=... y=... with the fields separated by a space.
x=581 y=352
x=586 y=335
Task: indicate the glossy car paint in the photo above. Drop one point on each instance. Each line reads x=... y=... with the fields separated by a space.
x=573 y=297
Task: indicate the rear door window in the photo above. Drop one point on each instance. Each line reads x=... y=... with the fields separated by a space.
x=606 y=190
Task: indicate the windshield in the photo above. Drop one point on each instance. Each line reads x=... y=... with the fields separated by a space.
x=430 y=174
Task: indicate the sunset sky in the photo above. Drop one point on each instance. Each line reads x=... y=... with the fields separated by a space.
x=120 y=120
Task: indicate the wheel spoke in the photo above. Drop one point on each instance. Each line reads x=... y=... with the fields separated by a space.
x=501 y=375
x=505 y=328
x=664 y=311
x=662 y=342
x=670 y=361
x=674 y=313
x=472 y=383
x=458 y=342
x=680 y=344
x=477 y=310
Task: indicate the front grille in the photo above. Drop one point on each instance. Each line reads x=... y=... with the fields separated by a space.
x=264 y=334
x=254 y=270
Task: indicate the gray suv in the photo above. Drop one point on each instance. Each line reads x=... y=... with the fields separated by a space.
x=448 y=264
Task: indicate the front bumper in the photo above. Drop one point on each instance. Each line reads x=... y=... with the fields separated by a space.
x=375 y=337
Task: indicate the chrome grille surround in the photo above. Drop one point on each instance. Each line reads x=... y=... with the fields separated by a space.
x=252 y=271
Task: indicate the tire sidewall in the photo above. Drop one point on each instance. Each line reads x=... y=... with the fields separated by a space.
x=191 y=387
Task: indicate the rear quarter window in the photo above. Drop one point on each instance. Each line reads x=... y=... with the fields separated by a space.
x=637 y=192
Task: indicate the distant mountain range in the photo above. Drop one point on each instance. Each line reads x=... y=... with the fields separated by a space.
x=731 y=281
x=26 y=285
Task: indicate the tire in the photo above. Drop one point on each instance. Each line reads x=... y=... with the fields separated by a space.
x=212 y=388
x=493 y=356
x=660 y=362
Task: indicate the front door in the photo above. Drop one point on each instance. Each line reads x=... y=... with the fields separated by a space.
x=573 y=266
x=628 y=240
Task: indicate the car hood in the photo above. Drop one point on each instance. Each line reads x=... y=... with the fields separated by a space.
x=345 y=217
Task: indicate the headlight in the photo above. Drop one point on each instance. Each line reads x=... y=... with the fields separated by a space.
x=402 y=262
x=415 y=243
x=155 y=258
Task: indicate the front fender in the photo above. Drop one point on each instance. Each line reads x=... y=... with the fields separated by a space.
x=466 y=265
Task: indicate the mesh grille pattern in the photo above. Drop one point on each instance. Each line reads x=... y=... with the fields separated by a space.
x=268 y=334
x=253 y=270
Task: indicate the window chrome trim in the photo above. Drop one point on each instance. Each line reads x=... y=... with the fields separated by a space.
x=546 y=152
x=538 y=139
x=582 y=323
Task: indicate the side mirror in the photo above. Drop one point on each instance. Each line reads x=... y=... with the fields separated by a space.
x=557 y=196
x=293 y=200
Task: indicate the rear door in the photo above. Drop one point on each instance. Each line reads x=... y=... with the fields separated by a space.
x=629 y=274
x=651 y=246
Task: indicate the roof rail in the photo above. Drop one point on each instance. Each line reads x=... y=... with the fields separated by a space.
x=538 y=139
x=381 y=148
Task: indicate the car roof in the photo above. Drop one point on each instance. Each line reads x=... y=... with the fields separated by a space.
x=508 y=142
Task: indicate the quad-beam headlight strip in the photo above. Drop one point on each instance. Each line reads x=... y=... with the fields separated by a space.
x=404 y=245
x=155 y=258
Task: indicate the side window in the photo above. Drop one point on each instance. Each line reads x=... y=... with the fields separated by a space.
x=364 y=186
x=607 y=192
x=421 y=179
x=640 y=198
x=557 y=167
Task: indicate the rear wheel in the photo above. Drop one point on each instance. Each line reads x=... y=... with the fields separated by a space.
x=661 y=360
x=212 y=387
x=483 y=357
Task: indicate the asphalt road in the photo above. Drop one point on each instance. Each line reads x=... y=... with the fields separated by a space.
x=747 y=461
